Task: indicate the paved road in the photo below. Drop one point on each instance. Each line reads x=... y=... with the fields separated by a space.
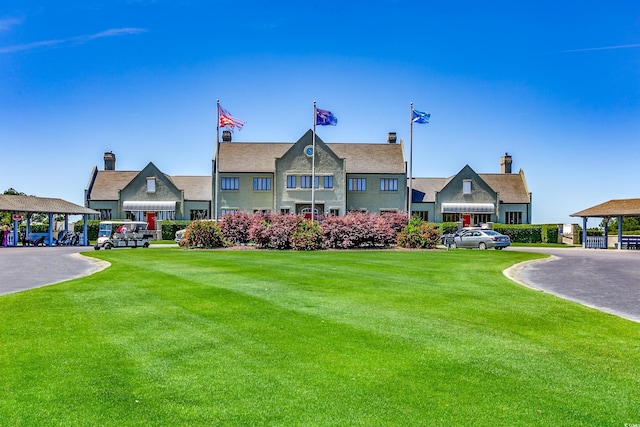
x=24 y=268
x=608 y=280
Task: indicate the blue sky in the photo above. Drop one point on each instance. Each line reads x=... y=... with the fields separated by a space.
x=554 y=84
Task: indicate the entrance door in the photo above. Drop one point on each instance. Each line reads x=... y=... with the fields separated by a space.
x=466 y=220
x=151 y=220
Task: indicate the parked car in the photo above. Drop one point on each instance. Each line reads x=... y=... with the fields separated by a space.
x=180 y=235
x=481 y=239
x=444 y=237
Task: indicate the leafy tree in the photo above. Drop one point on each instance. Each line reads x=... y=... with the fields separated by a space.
x=629 y=223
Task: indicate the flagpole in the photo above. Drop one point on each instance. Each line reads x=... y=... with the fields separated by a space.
x=217 y=160
x=313 y=165
x=410 y=160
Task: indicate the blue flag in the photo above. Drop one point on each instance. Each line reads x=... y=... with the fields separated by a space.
x=325 y=118
x=420 y=117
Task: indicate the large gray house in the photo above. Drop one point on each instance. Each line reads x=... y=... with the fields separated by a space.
x=278 y=177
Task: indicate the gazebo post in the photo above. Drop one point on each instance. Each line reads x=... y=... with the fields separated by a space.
x=584 y=232
x=85 y=238
x=620 y=232
x=606 y=232
x=50 y=231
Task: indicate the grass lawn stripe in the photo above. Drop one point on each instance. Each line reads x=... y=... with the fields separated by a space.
x=174 y=337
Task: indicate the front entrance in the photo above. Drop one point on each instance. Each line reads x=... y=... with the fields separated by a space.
x=305 y=209
x=151 y=220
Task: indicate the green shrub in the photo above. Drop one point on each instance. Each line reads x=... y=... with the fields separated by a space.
x=204 y=234
x=419 y=235
x=169 y=228
x=307 y=237
x=93 y=225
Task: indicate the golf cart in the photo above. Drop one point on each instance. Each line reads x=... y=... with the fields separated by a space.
x=122 y=234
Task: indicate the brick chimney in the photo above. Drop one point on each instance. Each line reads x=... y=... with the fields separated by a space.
x=505 y=163
x=109 y=161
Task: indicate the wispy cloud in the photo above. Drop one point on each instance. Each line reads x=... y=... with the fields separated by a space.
x=591 y=49
x=71 y=41
x=8 y=23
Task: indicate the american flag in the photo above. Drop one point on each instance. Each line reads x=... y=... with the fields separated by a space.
x=228 y=121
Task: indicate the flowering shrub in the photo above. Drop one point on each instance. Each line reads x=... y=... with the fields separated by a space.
x=204 y=234
x=235 y=227
x=359 y=229
x=274 y=231
x=419 y=235
x=307 y=236
x=396 y=220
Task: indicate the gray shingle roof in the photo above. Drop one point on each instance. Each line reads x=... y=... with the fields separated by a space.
x=33 y=204
x=612 y=208
x=108 y=183
x=512 y=187
x=244 y=157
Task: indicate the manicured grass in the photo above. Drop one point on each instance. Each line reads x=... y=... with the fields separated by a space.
x=232 y=337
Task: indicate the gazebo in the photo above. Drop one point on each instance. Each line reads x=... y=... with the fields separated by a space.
x=17 y=205
x=611 y=209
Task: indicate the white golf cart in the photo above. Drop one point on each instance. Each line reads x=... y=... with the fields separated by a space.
x=122 y=234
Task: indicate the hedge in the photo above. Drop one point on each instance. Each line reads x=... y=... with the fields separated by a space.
x=169 y=228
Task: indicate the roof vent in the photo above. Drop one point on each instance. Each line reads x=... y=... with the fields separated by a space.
x=391 y=138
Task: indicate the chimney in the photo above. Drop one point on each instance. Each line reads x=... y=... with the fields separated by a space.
x=391 y=138
x=505 y=163
x=109 y=161
x=226 y=136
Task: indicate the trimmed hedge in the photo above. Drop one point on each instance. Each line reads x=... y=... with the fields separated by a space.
x=93 y=225
x=169 y=228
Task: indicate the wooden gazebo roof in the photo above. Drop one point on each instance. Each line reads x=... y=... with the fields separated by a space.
x=612 y=208
x=33 y=204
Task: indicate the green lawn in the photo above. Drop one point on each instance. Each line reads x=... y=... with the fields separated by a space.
x=168 y=337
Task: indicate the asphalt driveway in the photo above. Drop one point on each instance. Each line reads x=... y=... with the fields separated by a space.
x=608 y=280
x=25 y=268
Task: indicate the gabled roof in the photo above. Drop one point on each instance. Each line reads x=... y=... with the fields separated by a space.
x=511 y=187
x=33 y=204
x=247 y=157
x=194 y=187
x=612 y=208
x=108 y=183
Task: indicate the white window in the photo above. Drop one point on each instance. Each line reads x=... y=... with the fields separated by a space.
x=466 y=186
x=151 y=185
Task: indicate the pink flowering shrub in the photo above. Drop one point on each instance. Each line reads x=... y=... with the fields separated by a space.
x=397 y=220
x=274 y=231
x=307 y=236
x=419 y=235
x=204 y=234
x=235 y=227
x=360 y=230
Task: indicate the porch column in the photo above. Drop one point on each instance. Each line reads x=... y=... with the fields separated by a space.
x=619 y=232
x=584 y=232
x=85 y=238
x=50 y=231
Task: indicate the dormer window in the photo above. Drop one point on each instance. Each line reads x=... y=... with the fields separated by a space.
x=151 y=185
x=466 y=186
